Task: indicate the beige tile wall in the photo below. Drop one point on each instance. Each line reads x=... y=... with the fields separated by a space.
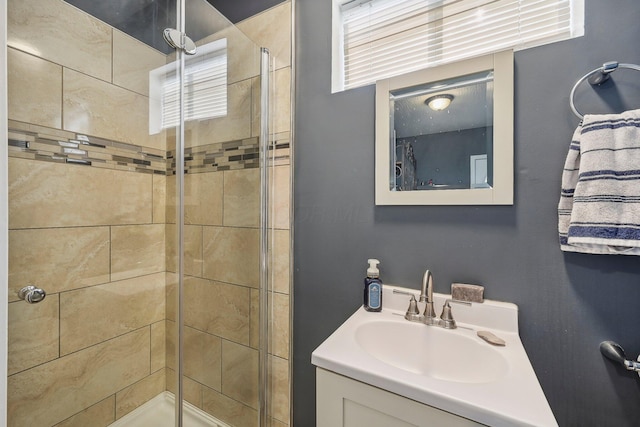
x=61 y=34
x=99 y=415
x=100 y=240
x=33 y=78
x=105 y=284
x=70 y=384
x=85 y=110
x=93 y=238
x=91 y=315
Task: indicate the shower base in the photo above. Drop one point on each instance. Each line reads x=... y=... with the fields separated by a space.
x=159 y=412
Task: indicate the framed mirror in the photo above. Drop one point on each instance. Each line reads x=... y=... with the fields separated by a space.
x=444 y=135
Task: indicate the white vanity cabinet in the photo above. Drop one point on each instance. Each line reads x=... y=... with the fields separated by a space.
x=344 y=402
x=380 y=370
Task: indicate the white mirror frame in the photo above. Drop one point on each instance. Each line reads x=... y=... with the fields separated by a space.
x=502 y=191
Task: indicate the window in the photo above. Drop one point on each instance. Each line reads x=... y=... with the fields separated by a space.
x=375 y=39
x=205 y=88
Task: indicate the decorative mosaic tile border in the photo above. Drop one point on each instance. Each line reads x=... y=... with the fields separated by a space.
x=243 y=154
x=40 y=143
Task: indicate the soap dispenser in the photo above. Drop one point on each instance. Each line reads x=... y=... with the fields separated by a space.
x=373 y=287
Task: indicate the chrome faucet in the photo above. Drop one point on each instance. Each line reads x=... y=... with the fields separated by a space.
x=429 y=318
x=426 y=295
x=445 y=320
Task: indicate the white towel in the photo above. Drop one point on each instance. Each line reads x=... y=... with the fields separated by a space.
x=599 y=209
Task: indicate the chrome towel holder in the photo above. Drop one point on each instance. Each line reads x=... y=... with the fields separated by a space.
x=597 y=77
x=615 y=353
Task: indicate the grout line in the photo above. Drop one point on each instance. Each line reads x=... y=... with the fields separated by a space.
x=150 y=347
x=62 y=68
x=110 y=254
x=153 y=187
x=59 y=327
x=112 y=57
x=115 y=405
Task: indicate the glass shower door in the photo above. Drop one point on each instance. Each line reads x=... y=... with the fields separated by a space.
x=217 y=342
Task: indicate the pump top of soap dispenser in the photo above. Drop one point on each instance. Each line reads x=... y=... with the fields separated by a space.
x=372 y=271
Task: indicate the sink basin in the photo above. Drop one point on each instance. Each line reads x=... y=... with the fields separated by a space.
x=452 y=370
x=447 y=355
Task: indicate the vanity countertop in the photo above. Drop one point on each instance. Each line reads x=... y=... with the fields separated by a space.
x=500 y=390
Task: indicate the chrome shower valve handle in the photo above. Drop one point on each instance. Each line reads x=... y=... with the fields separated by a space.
x=31 y=294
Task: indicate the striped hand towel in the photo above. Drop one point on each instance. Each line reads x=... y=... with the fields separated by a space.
x=599 y=209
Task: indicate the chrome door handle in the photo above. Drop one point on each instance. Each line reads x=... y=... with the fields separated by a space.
x=31 y=294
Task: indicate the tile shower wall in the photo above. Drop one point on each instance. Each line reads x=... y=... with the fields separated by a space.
x=92 y=236
x=100 y=239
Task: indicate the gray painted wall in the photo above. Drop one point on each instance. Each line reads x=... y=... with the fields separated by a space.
x=569 y=303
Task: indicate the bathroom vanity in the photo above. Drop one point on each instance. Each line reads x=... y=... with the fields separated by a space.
x=344 y=402
x=378 y=369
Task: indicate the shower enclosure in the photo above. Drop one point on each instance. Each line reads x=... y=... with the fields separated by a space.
x=139 y=202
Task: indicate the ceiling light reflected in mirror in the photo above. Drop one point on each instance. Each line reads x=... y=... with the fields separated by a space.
x=439 y=102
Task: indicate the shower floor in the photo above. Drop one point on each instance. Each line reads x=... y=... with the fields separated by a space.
x=159 y=412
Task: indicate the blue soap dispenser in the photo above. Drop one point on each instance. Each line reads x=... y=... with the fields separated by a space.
x=373 y=287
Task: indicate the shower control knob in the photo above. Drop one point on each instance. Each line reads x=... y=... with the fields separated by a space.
x=31 y=294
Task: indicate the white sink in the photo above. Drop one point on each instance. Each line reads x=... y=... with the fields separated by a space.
x=453 y=370
x=448 y=355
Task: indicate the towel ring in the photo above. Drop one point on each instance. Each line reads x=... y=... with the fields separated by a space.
x=597 y=77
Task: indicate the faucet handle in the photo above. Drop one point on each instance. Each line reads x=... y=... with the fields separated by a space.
x=412 y=314
x=446 y=318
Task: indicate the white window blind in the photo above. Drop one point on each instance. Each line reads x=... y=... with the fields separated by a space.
x=205 y=88
x=382 y=38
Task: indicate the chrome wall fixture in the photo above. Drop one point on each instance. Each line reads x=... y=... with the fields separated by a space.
x=596 y=78
x=179 y=40
x=614 y=352
x=31 y=294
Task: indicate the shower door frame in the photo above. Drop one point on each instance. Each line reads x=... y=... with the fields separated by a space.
x=4 y=214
